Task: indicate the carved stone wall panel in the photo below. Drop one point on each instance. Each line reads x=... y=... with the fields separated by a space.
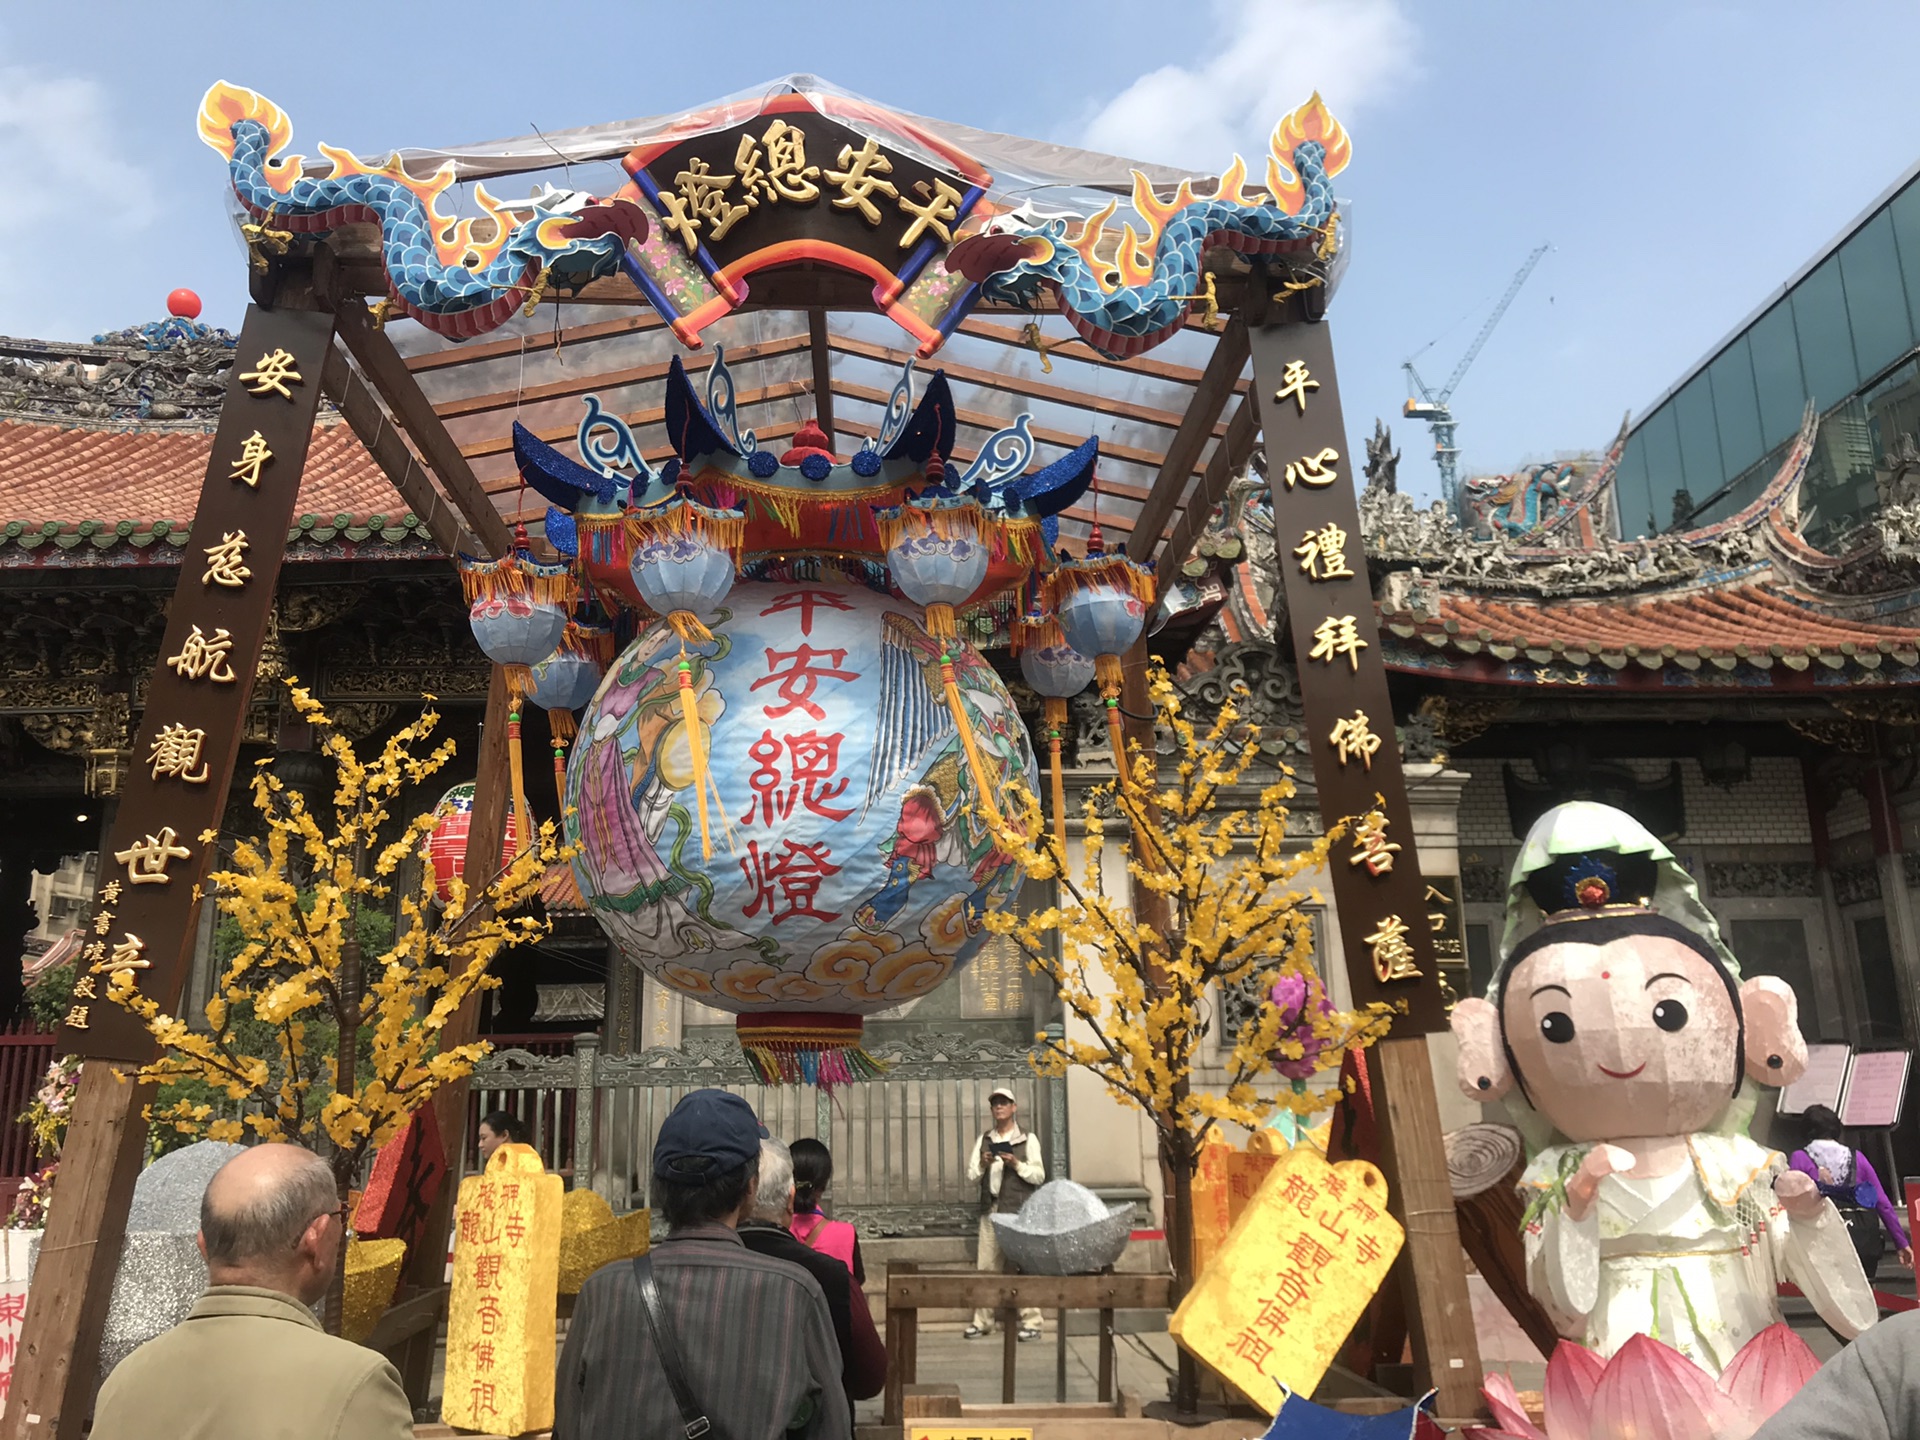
x=384 y=683
x=1856 y=884
x=1745 y=878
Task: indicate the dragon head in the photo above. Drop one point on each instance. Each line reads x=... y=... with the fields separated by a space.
x=1012 y=255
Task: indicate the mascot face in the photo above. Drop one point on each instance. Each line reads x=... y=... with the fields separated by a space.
x=1640 y=1036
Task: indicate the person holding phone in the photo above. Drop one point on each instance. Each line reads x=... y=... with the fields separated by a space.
x=1006 y=1163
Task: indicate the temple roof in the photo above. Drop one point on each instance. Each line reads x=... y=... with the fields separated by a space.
x=104 y=446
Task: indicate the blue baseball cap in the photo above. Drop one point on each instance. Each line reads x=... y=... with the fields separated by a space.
x=709 y=1132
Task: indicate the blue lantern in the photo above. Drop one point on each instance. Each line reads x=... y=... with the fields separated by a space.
x=1056 y=672
x=1101 y=603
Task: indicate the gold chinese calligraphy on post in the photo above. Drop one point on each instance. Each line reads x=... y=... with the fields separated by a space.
x=1353 y=736
x=1391 y=950
x=204 y=657
x=147 y=860
x=1371 y=847
x=1314 y=471
x=1337 y=636
x=1323 y=553
x=225 y=565
x=1295 y=381
x=254 y=456
x=271 y=374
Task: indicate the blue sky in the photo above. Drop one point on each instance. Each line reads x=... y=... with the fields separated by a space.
x=1682 y=158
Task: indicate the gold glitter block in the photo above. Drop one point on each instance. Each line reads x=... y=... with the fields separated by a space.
x=500 y=1316
x=373 y=1270
x=591 y=1235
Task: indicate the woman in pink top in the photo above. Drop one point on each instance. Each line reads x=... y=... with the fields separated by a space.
x=812 y=1173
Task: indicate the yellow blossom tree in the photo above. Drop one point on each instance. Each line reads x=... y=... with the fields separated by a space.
x=1217 y=909
x=294 y=1006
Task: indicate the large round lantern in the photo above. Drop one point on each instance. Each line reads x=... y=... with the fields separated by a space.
x=1056 y=672
x=518 y=610
x=862 y=865
x=565 y=681
x=446 y=848
x=938 y=550
x=1101 y=603
x=683 y=556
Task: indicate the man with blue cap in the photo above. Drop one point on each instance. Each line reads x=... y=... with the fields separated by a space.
x=702 y=1337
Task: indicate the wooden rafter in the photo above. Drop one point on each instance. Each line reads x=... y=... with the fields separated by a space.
x=478 y=350
x=1233 y=452
x=369 y=421
x=501 y=443
x=373 y=350
x=817 y=337
x=1184 y=450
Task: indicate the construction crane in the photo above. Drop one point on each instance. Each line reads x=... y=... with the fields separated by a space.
x=1431 y=406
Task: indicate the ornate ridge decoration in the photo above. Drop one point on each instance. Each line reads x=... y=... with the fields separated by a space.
x=170 y=373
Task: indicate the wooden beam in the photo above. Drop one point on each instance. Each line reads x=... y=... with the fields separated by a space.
x=368 y=419
x=474 y=351
x=1016 y=385
x=652 y=415
x=388 y=374
x=1184 y=450
x=1233 y=451
x=817 y=337
x=1074 y=348
x=605 y=380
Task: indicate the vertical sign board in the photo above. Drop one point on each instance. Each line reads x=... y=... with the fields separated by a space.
x=189 y=739
x=1382 y=901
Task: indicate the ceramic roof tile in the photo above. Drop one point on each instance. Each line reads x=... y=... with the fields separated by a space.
x=70 y=474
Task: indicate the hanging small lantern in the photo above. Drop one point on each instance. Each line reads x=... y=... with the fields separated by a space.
x=684 y=557
x=565 y=681
x=446 y=848
x=518 y=610
x=938 y=548
x=1057 y=672
x=1101 y=603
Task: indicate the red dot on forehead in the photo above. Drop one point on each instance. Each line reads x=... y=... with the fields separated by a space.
x=1606 y=974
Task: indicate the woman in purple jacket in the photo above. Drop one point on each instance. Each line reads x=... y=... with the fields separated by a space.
x=1846 y=1177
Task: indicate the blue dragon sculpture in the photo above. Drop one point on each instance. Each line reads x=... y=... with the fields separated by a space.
x=1128 y=302
x=439 y=271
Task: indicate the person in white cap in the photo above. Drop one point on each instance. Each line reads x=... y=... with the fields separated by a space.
x=1006 y=1162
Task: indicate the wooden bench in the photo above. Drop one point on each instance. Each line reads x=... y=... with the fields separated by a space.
x=909 y=1291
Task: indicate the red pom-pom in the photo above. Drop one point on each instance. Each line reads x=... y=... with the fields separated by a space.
x=809 y=439
x=1593 y=893
x=184 y=303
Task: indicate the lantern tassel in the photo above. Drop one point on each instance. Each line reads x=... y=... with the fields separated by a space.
x=696 y=750
x=940 y=624
x=982 y=785
x=691 y=629
x=1056 y=723
x=560 y=770
x=519 y=681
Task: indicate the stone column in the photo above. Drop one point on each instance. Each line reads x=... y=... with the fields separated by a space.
x=1889 y=859
x=1841 y=961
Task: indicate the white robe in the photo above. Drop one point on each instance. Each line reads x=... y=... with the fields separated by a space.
x=1692 y=1258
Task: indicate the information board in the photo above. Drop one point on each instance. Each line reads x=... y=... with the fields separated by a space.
x=1876 y=1089
x=1823 y=1083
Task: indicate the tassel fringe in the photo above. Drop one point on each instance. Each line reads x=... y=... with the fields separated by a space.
x=689 y=627
x=1035 y=632
x=949 y=519
x=821 y=1050
x=940 y=623
x=696 y=749
x=1107 y=670
x=1056 y=727
x=561 y=726
x=723 y=529
x=1098 y=572
x=516 y=574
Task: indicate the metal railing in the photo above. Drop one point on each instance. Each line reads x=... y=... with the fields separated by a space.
x=899 y=1142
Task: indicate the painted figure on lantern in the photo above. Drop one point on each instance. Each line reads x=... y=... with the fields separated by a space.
x=1625 y=1043
x=912 y=856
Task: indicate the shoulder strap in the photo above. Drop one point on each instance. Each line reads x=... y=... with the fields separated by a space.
x=819 y=1223
x=668 y=1349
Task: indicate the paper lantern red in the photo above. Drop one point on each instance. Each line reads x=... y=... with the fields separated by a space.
x=407 y=1175
x=447 y=842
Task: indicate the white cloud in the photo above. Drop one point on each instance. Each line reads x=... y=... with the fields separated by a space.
x=1265 y=57
x=67 y=169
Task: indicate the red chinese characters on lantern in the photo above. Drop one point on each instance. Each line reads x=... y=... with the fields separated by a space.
x=812 y=779
x=787 y=881
x=797 y=673
x=806 y=602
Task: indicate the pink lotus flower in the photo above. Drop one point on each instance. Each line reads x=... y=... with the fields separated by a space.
x=1653 y=1392
x=1300 y=998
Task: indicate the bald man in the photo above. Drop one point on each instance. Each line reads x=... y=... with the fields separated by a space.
x=249 y=1362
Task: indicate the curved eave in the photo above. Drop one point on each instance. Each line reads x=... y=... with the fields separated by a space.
x=1052 y=488
x=556 y=478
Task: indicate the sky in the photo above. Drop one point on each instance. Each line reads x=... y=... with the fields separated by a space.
x=1682 y=159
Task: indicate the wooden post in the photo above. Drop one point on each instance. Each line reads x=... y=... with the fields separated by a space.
x=1377 y=886
x=155 y=860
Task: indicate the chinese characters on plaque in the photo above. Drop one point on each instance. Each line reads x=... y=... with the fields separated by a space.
x=163 y=836
x=1343 y=682
x=1276 y=1302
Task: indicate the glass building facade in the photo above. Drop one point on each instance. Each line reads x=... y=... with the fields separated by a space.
x=1844 y=334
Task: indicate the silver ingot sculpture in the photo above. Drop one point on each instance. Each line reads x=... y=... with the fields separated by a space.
x=1064 y=1229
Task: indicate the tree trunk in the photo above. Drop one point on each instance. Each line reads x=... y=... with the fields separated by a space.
x=346 y=1068
x=1186 y=1392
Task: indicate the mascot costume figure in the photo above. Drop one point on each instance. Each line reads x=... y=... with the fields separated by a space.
x=1627 y=1048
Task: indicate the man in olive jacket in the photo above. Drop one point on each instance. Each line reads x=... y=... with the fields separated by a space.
x=249 y=1362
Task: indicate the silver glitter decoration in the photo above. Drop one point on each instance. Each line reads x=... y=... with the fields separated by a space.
x=1064 y=1229
x=160 y=1278
x=166 y=1197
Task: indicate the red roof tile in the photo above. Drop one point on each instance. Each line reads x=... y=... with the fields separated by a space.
x=69 y=474
x=1755 y=615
